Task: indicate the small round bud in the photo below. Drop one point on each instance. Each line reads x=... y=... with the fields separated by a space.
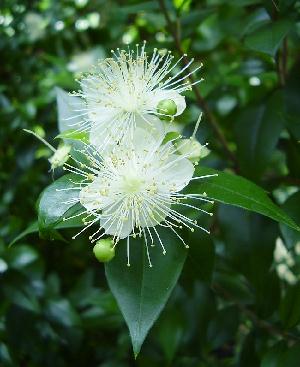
x=104 y=250
x=167 y=108
x=192 y=149
x=60 y=157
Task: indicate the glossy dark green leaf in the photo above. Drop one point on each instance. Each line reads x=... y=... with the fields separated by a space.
x=201 y=258
x=223 y=327
x=170 y=332
x=238 y=191
x=257 y=130
x=292 y=207
x=250 y=242
x=62 y=312
x=22 y=298
x=142 y=291
x=268 y=37
x=21 y=256
x=290 y=306
x=32 y=228
x=53 y=202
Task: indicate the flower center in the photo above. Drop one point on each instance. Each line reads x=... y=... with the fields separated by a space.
x=132 y=184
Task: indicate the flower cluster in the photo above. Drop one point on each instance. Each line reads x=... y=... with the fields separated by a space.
x=133 y=173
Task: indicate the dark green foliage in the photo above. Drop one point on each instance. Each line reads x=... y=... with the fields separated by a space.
x=234 y=304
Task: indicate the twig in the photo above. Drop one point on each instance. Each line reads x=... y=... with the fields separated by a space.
x=200 y=100
x=284 y=58
x=270 y=328
x=275 y=5
x=285 y=180
x=281 y=64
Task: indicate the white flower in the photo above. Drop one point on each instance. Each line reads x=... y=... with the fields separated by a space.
x=134 y=188
x=123 y=93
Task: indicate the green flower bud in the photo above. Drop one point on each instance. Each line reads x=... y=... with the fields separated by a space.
x=192 y=149
x=60 y=157
x=166 y=107
x=104 y=251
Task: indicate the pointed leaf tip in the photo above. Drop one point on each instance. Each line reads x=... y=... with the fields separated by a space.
x=141 y=291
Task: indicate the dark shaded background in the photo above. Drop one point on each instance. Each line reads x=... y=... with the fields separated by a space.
x=236 y=304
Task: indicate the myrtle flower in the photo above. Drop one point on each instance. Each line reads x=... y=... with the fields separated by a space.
x=133 y=189
x=131 y=89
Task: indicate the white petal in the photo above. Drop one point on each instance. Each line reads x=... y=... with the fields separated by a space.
x=178 y=173
x=89 y=198
x=92 y=198
x=152 y=124
x=104 y=137
x=114 y=224
x=98 y=112
x=141 y=141
x=157 y=216
x=101 y=115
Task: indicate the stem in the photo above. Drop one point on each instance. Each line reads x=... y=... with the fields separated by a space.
x=281 y=63
x=41 y=139
x=175 y=32
x=271 y=329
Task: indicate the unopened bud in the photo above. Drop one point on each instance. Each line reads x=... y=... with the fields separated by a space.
x=60 y=157
x=166 y=108
x=193 y=150
x=104 y=250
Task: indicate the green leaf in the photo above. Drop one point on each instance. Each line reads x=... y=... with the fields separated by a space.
x=292 y=207
x=22 y=298
x=249 y=355
x=170 y=331
x=21 y=256
x=250 y=242
x=290 y=307
x=238 y=191
x=32 y=228
x=201 y=258
x=68 y=109
x=62 y=312
x=73 y=134
x=141 y=291
x=268 y=37
x=51 y=230
x=291 y=357
x=258 y=129
x=52 y=205
x=281 y=356
x=223 y=328
x=273 y=355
